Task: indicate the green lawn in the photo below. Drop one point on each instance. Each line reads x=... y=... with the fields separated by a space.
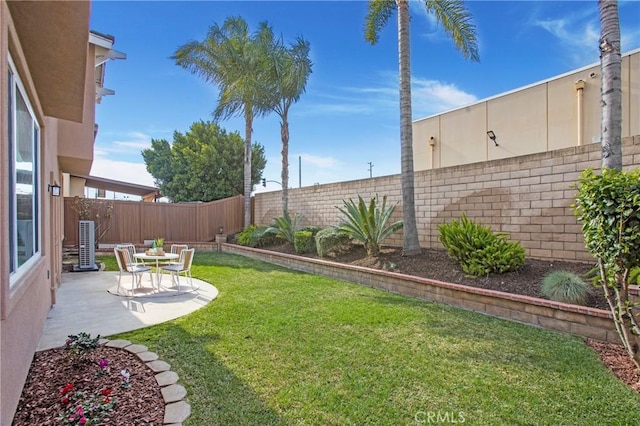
x=283 y=347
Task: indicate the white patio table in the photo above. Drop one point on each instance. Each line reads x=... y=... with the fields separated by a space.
x=157 y=258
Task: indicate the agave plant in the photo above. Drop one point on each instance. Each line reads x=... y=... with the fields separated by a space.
x=285 y=227
x=368 y=224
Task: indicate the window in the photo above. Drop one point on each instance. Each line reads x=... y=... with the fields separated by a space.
x=24 y=161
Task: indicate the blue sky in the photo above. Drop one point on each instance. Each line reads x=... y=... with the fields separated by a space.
x=349 y=115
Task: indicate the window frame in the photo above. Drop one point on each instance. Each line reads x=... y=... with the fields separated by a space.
x=15 y=87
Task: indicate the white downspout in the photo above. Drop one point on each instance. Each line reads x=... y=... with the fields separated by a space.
x=580 y=101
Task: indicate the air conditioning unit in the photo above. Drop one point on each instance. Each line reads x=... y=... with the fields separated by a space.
x=86 y=247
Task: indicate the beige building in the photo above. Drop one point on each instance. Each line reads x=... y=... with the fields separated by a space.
x=560 y=112
x=51 y=75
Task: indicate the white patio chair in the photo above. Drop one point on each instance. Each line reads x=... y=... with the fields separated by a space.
x=125 y=265
x=177 y=249
x=132 y=250
x=183 y=266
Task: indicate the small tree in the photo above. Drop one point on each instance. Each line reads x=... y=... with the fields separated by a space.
x=99 y=211
x=608 y=205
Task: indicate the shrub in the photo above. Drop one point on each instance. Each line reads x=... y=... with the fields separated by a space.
x=244 y=237
x=566 y=287
x=254 y=236
x=82 y=343
x=303 y=242
x=368 y=224
x=313 y=229
x=285 y=227
x=331 y=242
x=479 y=250
x=608 y=206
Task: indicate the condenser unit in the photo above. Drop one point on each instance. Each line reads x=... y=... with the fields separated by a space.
x=86 y=247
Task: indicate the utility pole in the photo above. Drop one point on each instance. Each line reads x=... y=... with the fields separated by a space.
x=299 y=171
x=370 y=169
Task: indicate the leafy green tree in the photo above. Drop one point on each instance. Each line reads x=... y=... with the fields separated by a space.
x=454 y=18
x=289 y=69
x=232 y=59
x=611 y=85
x=608 y=205
x=203 y=164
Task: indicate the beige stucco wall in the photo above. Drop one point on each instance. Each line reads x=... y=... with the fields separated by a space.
x=26 y=296
x=74 y=153
x=23 y=306
x=538 y=118
x=74 y=186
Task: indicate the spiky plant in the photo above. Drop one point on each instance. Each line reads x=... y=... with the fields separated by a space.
x=285 y=227
x=369 y=225
x=566 y=287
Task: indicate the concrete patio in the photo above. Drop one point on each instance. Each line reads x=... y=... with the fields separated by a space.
x=85 y=302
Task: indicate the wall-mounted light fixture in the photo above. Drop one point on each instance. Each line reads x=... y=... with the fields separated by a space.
x=54 y=190
x=432 y=141
x=492 y=136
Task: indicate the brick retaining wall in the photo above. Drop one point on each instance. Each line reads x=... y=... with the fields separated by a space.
x=529 y=197
x=577 y=320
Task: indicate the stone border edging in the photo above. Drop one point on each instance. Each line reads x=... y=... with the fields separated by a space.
x=176 y=409
x=577 y=320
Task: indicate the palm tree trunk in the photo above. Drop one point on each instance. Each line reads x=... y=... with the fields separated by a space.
x=611 y=85
x=248 y=117
x=410 y=245
x=284 y=134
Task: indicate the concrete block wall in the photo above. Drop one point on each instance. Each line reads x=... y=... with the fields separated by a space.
x=528 y=196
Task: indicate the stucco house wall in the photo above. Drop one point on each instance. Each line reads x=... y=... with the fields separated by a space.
x=54 y=62
x=557 y=113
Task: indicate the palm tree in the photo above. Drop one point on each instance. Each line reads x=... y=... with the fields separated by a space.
x=453 y=16
x=231 y=58
x=289 y=68
x=611 y=85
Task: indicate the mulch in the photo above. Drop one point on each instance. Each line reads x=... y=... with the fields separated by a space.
x=44 y=398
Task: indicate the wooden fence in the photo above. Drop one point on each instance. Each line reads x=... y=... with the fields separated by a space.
x=135 y=222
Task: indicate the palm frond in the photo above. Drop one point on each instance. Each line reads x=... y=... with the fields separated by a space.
x=378 y=14
x=455 y=19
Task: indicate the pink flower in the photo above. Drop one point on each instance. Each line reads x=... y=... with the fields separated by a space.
x=103 y=363
x=83 y=420
x=67 y=388
x=80 y=411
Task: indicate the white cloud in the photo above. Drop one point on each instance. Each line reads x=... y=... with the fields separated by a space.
x=583 y=36
x=578 y=34
x=123 y=171
x=433 y=31
x=132 y=143
x=428 y=97
x=431 y=97
x=137 y=140
x=321 y=162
